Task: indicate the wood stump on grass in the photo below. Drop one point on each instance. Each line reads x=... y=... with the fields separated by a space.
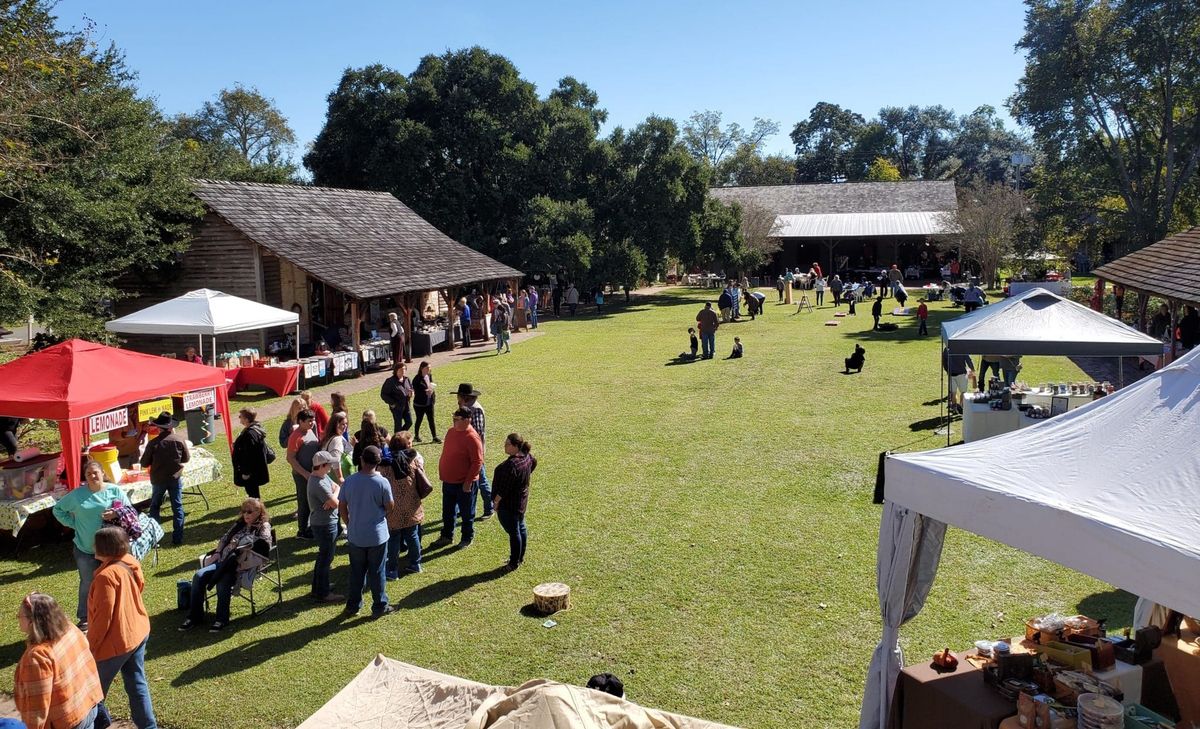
x=550 y=597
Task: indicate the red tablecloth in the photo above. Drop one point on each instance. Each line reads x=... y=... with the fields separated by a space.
x=280 y=380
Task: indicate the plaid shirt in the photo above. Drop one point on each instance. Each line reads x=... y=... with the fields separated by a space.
x=478 y=420
x=56 y=684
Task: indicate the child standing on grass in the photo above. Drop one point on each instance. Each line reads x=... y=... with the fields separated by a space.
x=695 y=342
x=923 y=319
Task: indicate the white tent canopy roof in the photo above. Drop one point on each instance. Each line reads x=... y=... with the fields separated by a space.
x=1040 y=322
x=1108 y=489
x=851 y=225
x=203 y=311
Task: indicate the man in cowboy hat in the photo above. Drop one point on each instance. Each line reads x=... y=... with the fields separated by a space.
x=165 y=456
x=468 y=397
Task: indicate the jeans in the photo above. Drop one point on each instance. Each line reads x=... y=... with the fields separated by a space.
x=366 y=569
x=132 y=667
x=532 y=317
x=1010 y=376
x=455 y=503
x=985 y=367
x=408 y=538
x=175 y=490
x=465 y=326
x=924 y=329
x=87 y=564
x=89 y=720
x=837 y=298
x=485 y=490
x=571 y=308
x=208 y=577
x=402 y=418
x=423 y=412
x=514 y=523
x=876 y=317
x=708 y=343
x=326 y=537
x=820 y=296
x=302 y=510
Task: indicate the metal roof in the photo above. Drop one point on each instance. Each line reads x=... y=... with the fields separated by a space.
x=857 y=225
x=1168 y=268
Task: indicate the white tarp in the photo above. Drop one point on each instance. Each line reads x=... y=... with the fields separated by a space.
x=203 y=311
x=389 y=694
x=1040 y=322
x=1108 y=489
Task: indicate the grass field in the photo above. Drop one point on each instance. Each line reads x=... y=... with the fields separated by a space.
x=712 y=518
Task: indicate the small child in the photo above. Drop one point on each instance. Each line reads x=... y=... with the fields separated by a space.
x=737 y=348
x=695 y=342
x=851 y=312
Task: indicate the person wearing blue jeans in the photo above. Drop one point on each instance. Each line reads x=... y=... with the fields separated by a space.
x=364 y=503
x=132 y=667
x=323 y=520
x=460 y=504
x=459 y=468
x=233 y=556
x=165 y=456
x=408 y=540
x=87 y=565
x=512 y=495
x=220 y=575
x=468 y=397
x=707 y=323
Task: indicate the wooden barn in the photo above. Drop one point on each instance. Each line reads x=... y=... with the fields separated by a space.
x=852 y=227
x=343 y=259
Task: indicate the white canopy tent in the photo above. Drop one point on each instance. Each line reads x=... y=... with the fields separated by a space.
x=205 y=312
x=1108 y=489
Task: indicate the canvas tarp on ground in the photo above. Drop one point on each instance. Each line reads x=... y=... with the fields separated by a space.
x=389 y=694
x=1038 y=322
x=1108 y=489
x=203 y=311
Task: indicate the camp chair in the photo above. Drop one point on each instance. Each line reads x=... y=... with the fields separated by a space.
x=269 y=571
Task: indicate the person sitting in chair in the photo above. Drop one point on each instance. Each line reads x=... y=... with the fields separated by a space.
x=235 y=561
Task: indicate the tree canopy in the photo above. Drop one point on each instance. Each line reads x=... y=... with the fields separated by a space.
x=240 y=135
x=90 y=187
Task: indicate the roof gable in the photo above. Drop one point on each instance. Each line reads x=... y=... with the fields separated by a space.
x=365 y=243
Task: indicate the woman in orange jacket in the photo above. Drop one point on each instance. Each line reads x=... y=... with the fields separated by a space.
x=118 y=626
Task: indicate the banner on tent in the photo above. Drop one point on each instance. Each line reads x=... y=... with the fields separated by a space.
x=199 y=398
x=151 y=408
x=111 y=420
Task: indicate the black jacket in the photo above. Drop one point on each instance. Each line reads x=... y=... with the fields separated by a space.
x=396 y=392
x=250 y=457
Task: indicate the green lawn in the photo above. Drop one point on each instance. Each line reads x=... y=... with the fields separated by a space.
x=713 y=520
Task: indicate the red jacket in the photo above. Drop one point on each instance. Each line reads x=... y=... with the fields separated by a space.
x=462 y=456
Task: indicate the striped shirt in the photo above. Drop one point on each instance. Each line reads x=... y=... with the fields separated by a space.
x=478 y=419
x=56 y=684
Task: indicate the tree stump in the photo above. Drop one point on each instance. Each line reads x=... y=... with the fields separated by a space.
x=550 y=597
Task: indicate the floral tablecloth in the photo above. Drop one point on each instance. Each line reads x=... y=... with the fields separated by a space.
x=202 y=468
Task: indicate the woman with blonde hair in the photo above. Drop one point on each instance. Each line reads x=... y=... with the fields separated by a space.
x=56 y=683
x=322 y=417
x=84 y=510
x=118 y=626
x=333 y=441
x=289 y=423
x=236 y=556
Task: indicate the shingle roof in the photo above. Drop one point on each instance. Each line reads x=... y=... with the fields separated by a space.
x=1170 y=268
x=365 y=243
x=847 y=197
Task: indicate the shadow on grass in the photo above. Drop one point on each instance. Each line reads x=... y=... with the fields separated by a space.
x=255 y=652
x=682 y=360
x=1115 y=606
x=531 y=611
x=438 y=591
x=928 y=424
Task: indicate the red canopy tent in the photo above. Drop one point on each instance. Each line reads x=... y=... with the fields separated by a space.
x=72 y=381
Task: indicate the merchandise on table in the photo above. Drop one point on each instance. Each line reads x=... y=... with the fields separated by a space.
x=31 y=477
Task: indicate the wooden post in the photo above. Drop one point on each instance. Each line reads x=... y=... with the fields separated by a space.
x=406 y=308
x=1143 y=300
x=445 y=293
x=354 y=324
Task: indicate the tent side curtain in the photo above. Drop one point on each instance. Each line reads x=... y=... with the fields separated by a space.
x=910 y=549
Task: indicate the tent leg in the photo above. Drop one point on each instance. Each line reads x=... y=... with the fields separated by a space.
x=1120 y=372
x=297 y=342
x=201 y=338
x=214 y=350
x=944 y=388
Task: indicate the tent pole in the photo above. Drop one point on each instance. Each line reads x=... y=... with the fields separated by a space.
x=201 y=338
x=944 y=387
x=214 y=350
x=1120 y=372
x=297 y=341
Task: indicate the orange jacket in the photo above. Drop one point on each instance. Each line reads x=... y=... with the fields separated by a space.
x=117 y=619
x=56 y=684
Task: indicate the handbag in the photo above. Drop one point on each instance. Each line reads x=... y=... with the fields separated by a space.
x=421 y=481
x=126 y=517
x=269 y=453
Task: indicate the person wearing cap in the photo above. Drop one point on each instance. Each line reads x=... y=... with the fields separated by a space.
x=323 y=521
x=165 y=456
x=364 y=503
x=468 y=397
x=458 y=468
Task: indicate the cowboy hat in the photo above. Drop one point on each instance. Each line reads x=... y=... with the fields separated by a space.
x=165 y=421
x=465 y=390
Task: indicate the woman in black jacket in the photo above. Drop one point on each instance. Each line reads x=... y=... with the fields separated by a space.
x=423 y=397
x=251 y=454
x=510 y=495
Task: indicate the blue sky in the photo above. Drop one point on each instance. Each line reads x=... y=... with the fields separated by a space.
x=772 y=59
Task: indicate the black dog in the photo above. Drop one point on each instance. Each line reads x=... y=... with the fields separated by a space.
x=855 y=361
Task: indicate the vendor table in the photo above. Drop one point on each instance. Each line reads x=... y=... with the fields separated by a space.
x=423 y=342
x=280 y=380
x=927 y=699
x=933 y=292
x=375 y=354
x=980 y=421
x=201 y=469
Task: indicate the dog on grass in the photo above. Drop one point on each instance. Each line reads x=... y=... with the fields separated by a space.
x=856 y=360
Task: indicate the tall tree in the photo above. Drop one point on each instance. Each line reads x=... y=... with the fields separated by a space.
x=710 y=143
x=883 y=170
x=747 y=166
x=825 y=144
x=1122 y=77
x=90 y=189
x=983 y=147
x=989 y=218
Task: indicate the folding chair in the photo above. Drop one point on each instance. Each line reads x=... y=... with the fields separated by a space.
x=269 y=571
